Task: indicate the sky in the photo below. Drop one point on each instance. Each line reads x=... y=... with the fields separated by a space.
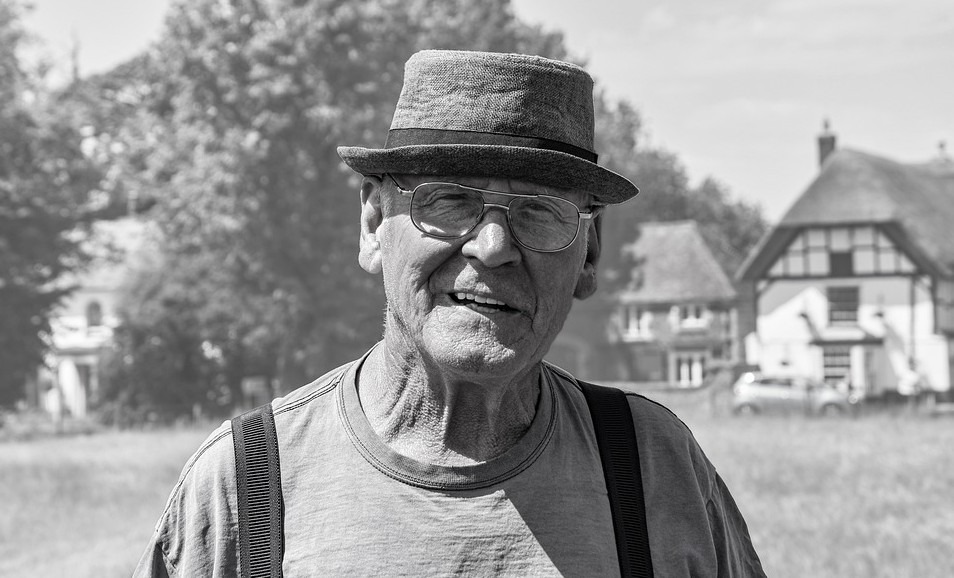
x=738 y=89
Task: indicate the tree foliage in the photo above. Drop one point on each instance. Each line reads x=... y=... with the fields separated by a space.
x=44 y=181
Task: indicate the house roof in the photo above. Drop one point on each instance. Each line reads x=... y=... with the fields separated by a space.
x=915 y=201
x=676 y=266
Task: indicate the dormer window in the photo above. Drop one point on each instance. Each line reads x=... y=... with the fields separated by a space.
x=692 y=316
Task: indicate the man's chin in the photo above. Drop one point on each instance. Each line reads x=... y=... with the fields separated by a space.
x=474 y=355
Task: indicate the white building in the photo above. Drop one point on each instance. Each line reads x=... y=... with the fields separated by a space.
x=856 y=282
x=83 y=324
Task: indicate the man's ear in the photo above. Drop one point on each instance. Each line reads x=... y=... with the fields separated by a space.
x=586 y=284
x=369 y=251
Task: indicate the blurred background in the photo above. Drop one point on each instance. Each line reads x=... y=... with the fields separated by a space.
x=178 y=243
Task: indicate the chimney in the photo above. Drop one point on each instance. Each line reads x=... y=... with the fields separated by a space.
x=942 y=155
x=826 y=143
x=943 y=161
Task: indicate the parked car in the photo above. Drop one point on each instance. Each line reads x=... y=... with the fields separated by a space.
x=755 y=393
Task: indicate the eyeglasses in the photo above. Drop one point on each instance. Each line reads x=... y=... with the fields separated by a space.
x=541 y=223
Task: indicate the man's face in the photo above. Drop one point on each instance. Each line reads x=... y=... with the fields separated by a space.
x=481 y=305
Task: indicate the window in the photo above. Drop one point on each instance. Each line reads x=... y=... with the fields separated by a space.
x=837 y=362
x=692 y=316
x=635 y=322
x=775 y=381
x=689 y=369
x=94 y=314
x=842 y=264
x=842 y=305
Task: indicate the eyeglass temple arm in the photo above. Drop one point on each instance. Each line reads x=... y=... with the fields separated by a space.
x=596 y=211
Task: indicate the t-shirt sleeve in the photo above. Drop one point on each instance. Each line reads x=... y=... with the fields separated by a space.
x=730 y=536
x=197 y=533
x=695 y=526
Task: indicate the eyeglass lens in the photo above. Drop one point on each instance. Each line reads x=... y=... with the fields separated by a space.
x=538 y=222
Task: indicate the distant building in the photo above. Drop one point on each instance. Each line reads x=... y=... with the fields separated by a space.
x=855 y=285
x=679 y=319
x=83 y=324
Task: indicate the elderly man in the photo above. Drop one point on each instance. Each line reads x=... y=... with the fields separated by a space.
x=451 y=447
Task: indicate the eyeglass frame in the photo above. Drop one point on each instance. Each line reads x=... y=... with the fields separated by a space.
x=582 y=215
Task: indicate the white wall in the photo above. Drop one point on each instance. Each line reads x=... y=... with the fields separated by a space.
x=783 y=337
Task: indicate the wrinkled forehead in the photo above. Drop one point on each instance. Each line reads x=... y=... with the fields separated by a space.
x=499 y=184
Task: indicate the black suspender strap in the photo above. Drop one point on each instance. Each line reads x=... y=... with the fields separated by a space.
x=616 y=436
x=261 y=511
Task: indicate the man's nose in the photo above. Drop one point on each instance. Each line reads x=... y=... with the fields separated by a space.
x=491 y=241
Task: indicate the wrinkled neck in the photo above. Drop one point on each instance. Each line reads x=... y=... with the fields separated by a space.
x=439 y=417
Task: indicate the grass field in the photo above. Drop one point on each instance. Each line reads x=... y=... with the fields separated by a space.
x=866 y=497
x=85 y=506
x=863 y=497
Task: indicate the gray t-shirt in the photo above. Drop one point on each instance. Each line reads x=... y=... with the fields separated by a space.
x=354 y=507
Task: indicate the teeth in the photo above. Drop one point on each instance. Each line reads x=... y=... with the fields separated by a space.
x=479 y=299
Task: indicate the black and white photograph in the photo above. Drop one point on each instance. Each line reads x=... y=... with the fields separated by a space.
x=476 y=288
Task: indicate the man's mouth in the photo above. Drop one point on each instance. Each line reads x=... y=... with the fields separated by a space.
x=481 y=303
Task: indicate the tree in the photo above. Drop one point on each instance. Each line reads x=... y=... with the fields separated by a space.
x=44 y=182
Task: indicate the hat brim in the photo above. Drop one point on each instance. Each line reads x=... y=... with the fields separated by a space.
x=545 y=167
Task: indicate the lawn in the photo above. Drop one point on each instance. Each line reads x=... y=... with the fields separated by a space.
x=862 y=497
x=85 y=506
x=870 y=496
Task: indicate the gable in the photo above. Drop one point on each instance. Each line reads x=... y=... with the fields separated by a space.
x=842 y=251
x=910 y=206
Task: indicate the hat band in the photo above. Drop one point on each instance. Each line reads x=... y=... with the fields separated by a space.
x=400 y=137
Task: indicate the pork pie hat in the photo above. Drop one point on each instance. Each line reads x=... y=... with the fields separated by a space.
x=494 y=115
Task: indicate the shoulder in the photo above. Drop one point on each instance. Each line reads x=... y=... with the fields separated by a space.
x=694 y=524
x=198 y=527
x=317 y=390
x=667 y=446
x=648 y=415
x=200 y=511
x=214 y=462
x=652 y=417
